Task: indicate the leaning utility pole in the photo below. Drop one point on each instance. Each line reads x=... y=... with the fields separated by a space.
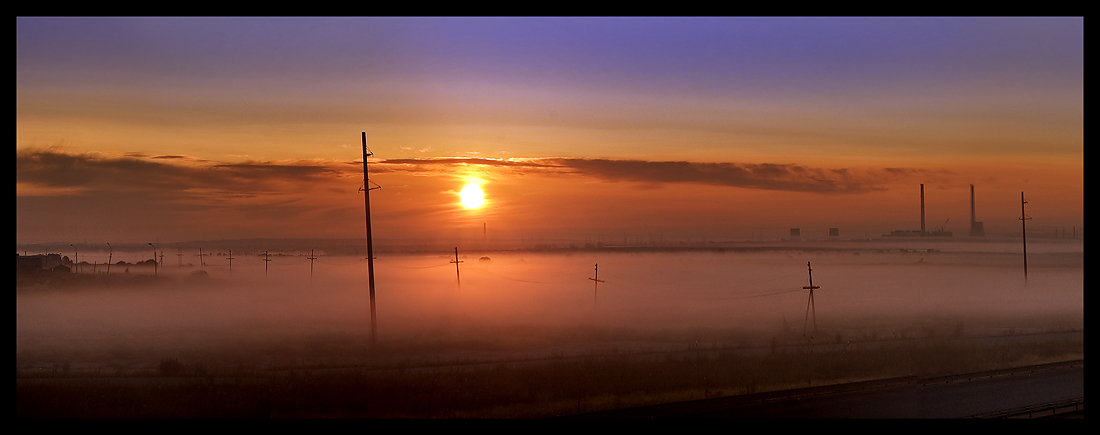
x=370 y=246
x=1023 y=231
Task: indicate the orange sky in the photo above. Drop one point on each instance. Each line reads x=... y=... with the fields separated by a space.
x=611 y=129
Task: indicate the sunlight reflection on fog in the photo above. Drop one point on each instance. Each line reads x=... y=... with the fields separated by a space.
x=418 y=295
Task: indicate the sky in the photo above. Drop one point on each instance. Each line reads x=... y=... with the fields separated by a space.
x=597 y=128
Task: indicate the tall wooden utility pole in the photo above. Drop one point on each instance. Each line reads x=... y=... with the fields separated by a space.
x=370 y=245
x=1023 y=231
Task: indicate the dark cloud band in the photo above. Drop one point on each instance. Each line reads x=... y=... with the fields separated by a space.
x=769 y=176
x=175 y=173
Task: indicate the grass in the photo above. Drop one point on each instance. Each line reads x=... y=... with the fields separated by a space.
x=556 y=386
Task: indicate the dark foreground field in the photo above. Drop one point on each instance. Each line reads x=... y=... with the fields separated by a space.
x=555 y=385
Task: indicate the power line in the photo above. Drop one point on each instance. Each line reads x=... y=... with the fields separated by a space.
x=487 y=271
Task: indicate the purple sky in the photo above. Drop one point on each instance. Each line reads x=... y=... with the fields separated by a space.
x=997 y=101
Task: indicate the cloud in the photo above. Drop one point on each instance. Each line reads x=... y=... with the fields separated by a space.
x=168 y=175
x=446 y=161
x=768 y=176
x=61 y=194
x=40 y=170
x=759 y=176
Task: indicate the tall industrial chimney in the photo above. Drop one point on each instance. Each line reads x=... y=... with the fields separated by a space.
x=972 y=206
x=922 y=208
x=977 y=229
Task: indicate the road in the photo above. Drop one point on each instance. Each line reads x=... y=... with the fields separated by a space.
x=987 y=394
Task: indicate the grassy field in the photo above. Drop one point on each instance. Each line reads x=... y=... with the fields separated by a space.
x=307 y=385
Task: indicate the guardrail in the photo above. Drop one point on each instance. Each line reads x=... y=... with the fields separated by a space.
x=1045 y=410
x=672 y=409
x=1012 y=371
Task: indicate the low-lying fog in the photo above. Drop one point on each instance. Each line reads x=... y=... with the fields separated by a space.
x=420 y=298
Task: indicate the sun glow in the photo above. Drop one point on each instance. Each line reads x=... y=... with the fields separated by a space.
x=472 y=196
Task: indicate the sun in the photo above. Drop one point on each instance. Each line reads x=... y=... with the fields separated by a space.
x=472 y=196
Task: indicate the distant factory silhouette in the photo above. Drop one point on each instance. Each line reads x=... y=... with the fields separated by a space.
x=797 y=232
x=977 y=229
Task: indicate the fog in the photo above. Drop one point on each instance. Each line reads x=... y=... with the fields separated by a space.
x=270 y=311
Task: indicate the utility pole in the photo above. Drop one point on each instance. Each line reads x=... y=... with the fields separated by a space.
x=1023 y=231
x=810 y=302
x=456 y=261
x=230 y=258
x=311 y=258
x=370 y=246
x=202 y=262
x=110 y=257
x=266 y=262
x=595 y=290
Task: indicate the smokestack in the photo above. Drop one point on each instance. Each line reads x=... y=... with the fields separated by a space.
x=922 y=207
x=972 y=206
x=977 y=229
